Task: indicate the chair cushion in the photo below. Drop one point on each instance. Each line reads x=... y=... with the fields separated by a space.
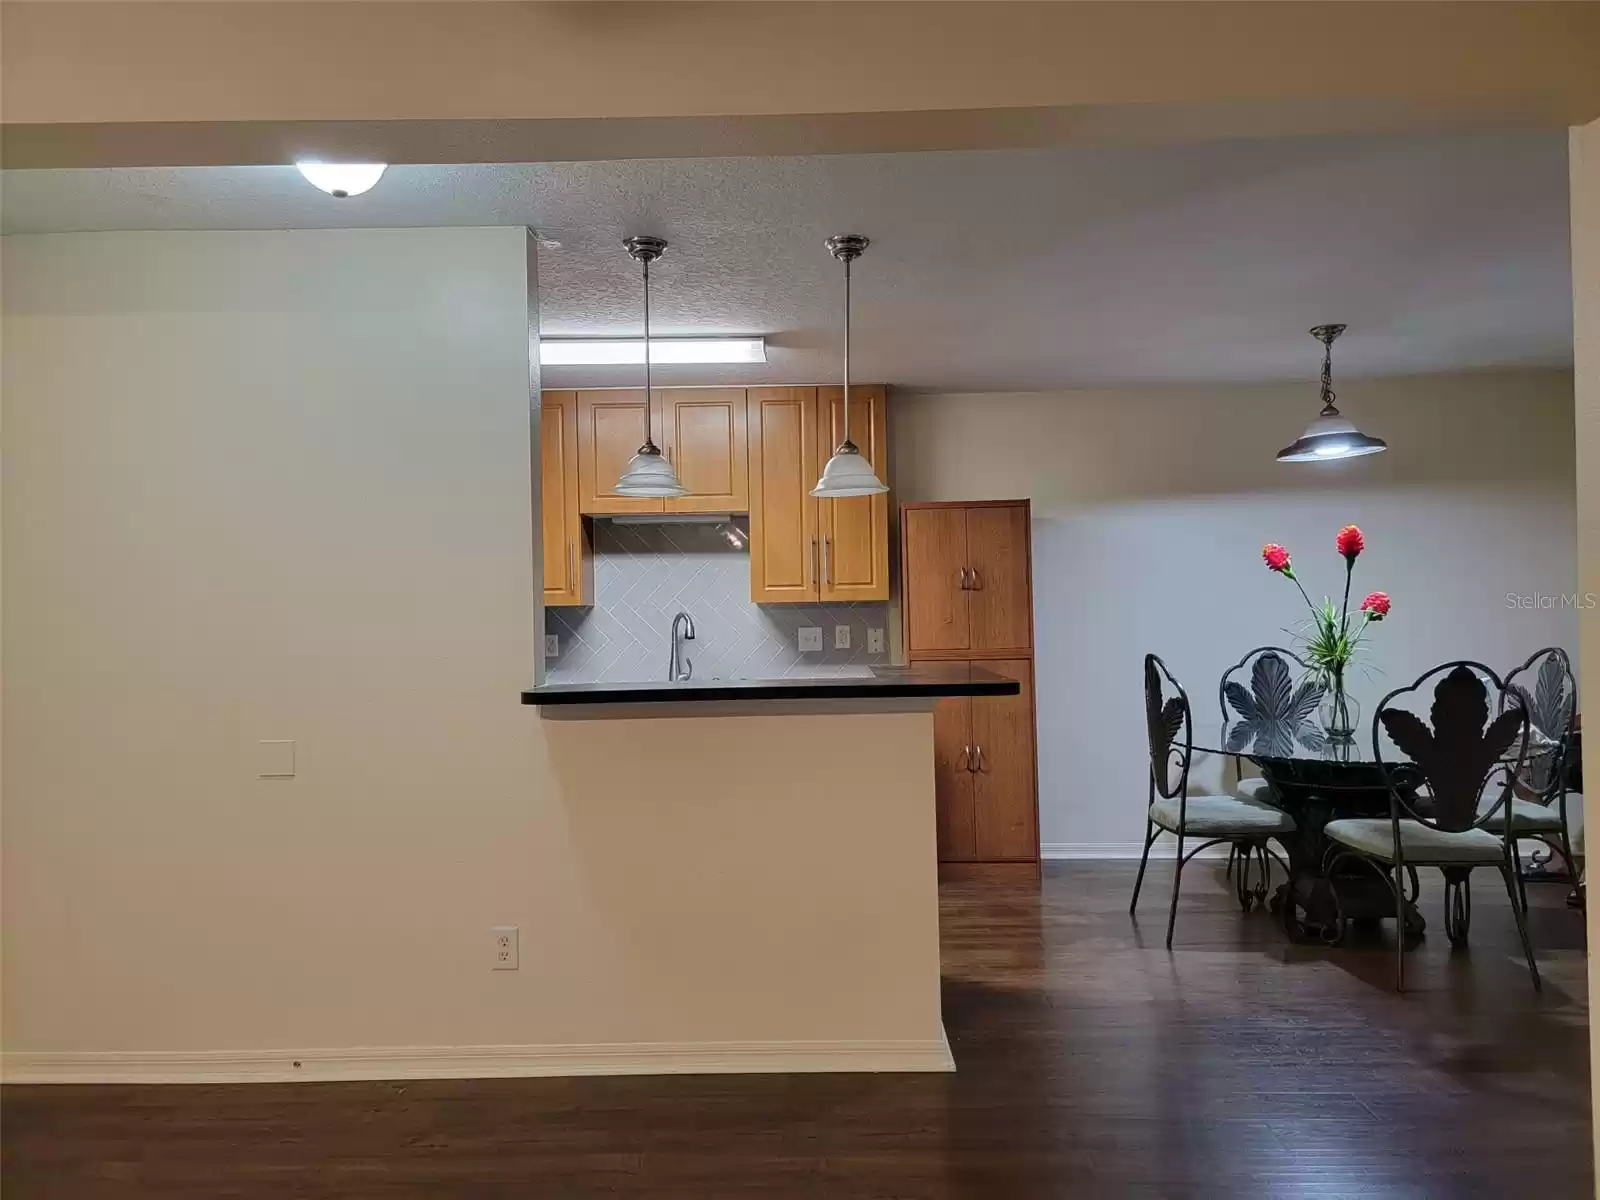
x=1374 y=836
x=1529 y=816
x=1218 y=816
x=1253 y=787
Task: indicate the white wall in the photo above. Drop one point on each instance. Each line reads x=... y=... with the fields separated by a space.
x=277 y=485
x=1151 y=507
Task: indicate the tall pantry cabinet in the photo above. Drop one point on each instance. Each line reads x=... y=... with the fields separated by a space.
x=967 y=602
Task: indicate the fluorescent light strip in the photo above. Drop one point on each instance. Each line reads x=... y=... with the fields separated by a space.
x=607 y=352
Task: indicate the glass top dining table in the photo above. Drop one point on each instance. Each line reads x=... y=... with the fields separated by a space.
x=1305 y=742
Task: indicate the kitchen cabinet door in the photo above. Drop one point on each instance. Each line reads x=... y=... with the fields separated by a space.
x=854 y=532
x=1005 y=780
x=784 y=555
x=935 y=563
x=610 y=432
x=998 y=597
x=953 y=780
x=703 y=435
x=568 y=567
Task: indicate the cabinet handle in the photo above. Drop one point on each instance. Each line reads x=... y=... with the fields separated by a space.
x=977 y=583
x=814 y=562
x=978 y=757
x=963 y=579
x=827 y=561
x=965 y=762
x=571 y=571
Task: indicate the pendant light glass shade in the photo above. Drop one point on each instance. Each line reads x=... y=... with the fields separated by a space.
x=1331 y=436
x=847 y=473
x=648 y=475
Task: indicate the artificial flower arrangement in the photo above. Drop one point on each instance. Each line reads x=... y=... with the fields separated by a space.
x=1334 y=633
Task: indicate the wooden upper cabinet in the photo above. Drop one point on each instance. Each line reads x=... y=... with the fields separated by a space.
x=702 y=433
x=568 y=567
x=999 y=598
x=610 y=432
x=783 y=516
x=1005 y=780
x=934 y=594
x=854 y=532
x=967 y=579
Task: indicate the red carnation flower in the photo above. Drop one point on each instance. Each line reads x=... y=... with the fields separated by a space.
x=1275 y=556
x=1350 y=542
x=1376 y=605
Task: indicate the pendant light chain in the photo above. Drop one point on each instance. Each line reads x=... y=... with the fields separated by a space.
x=1326 y=335
x=1327 y=375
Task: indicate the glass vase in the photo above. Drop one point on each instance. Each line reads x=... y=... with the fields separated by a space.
x=1339 y=713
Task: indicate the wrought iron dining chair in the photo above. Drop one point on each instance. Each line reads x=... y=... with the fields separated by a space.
x=1538 y=807
x=1459 y=757
x=1271 y=709
x=1247 y=825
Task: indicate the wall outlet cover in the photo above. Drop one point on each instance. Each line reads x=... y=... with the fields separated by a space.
x=874 y=641
x=810 y=638
x=505 y=947
x=841 y=637
x=552 y=645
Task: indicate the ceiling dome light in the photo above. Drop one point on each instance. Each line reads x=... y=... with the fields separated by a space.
x=648 y=475
x=342 y=179
x=847 y=473
x=1331 y=435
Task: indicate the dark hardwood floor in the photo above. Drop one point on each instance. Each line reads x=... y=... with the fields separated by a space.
x=1092 y=1063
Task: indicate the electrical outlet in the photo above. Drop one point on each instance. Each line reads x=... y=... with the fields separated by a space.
x=810 y=638
x=841 y=637
x=874 y=641
x=505 y=947
x=552 y=645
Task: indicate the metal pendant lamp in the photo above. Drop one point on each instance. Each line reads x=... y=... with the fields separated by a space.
x=648 y=475
x=1331 y=435
x=847 y=473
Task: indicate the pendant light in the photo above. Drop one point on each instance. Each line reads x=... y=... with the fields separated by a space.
x=648 y=475
x=847 y=473
x=1331 y=435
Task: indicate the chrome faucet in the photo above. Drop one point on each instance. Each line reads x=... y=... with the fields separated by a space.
x=680 y=668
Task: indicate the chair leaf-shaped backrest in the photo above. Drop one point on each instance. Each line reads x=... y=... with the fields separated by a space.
x=1168 y=720
x=1552 y=703
x=1274 y=711
x=1457 y=749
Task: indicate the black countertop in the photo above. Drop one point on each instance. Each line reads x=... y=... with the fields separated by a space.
x=925 y=681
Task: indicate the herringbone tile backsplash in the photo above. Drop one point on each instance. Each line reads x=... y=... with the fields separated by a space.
x=645 y=574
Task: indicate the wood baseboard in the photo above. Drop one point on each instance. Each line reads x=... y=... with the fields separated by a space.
x=474 y=1062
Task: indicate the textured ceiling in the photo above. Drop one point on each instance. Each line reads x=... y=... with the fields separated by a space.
x=989 y=270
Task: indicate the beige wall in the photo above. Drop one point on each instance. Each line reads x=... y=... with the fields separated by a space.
x=276 y=485
x=169 y=83
x=1584 y=152
x=1150 y=509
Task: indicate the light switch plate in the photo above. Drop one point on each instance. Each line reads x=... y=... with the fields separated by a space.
x=810 y=638
x=841 y=637
x=552 y=645
x=874 y=641
x=275 y=759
